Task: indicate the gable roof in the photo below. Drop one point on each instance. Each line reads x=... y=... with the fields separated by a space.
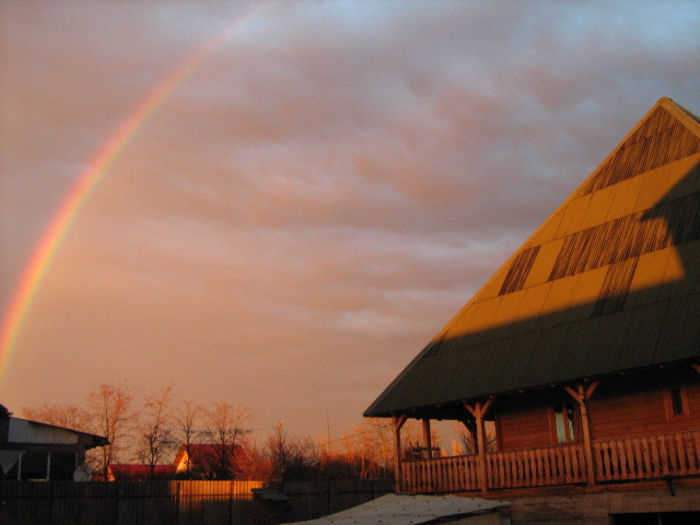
x=609 y=282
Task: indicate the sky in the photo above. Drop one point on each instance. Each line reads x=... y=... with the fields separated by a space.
x=313 y=197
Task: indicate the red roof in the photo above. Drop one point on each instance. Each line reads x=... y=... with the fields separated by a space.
x=207 y=457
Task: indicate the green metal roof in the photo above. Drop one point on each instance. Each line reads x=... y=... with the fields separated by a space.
x=609 y=282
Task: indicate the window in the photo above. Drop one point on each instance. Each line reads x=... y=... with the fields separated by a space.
x=564 y=423
x=676 y=402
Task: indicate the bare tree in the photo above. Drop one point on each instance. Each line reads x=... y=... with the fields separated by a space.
x=155 y=437
x=69 y=416
x=466 y=432
x=110 y=410
x=186 y=421
x=226 y=427
x=290 y=459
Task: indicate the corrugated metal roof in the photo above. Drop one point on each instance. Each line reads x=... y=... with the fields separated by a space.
x=611 y=281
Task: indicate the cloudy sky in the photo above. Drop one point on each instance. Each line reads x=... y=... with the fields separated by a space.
x=310 y=205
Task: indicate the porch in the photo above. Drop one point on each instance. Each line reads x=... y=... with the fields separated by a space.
x=610 y=461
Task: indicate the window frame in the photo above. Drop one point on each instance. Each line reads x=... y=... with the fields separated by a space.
x=569 y=433
x=670 y=404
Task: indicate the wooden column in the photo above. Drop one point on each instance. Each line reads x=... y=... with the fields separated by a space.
x=427 y=440
x=398 y=423
x=581 y=395
x=479 y=410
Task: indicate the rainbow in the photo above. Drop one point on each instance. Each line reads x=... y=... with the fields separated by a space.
x=95 y=171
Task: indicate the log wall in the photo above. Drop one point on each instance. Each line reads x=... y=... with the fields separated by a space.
x=643 y=413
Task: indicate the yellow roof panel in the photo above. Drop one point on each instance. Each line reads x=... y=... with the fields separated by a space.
x=544 y=262
x=573 y=216
x=598 y=207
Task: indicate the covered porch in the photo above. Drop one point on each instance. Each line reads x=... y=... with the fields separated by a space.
x=585 y=445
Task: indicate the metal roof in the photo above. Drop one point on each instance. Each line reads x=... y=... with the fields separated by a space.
x=404 y=509
x=609 y=282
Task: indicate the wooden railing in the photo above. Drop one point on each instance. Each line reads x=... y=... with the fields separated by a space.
x=562 y=465
x=648 y=457
x=452 y=474
x=614 y=460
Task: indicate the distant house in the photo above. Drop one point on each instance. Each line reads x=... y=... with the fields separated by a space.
x=139 y=472
x=212 y=461
x=583 y=349
x=30 y=450
x=195 y=460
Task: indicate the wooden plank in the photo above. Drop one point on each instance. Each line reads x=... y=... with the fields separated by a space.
x=655 y=461
x=681 y=454
x=648 y=466
x=629 y=458
x=525 y=457
x=614 y=462
x=584 y=466
x=512 y=468
x=502 y=469
x=638 y=459
x=693 y=465
x=560 y=465
x=519 y=474
x=664 y=456
x=539 y=476
x=567 y=464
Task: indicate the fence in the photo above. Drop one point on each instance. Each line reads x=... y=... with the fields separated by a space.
x=174 y=502
x=313 y=499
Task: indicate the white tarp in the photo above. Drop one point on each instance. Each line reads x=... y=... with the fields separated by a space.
x=394 y=509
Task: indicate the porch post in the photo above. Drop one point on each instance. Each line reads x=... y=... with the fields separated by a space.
x=427 y=440
x=479 y=410
x=398 y=423
x=581 y=396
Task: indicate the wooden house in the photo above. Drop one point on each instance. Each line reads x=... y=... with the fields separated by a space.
x=210 y=461
x=583 y=348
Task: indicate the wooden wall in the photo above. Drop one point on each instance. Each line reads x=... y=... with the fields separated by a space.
x=645 y=412
x=621 y=407
x=518 y=429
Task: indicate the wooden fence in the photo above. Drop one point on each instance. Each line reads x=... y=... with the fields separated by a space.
x=313 y=499
x=127 y=502
x=175 y=502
